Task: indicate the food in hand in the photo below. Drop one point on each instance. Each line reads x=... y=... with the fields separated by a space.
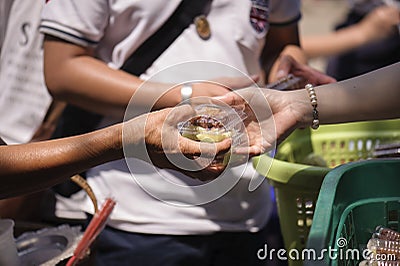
x=205 y=128
x=213 y=123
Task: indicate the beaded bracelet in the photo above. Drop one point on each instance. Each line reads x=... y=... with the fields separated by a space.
x=313 y=99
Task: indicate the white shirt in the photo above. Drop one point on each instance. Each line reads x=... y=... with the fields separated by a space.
x=146 y=201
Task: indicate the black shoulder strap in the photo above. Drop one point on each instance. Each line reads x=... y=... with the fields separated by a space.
x=155 y=45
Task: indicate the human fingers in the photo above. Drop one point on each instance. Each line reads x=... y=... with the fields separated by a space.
x=385 y=16
x=284 y=67
x=251 y=151
x=379 y=23
x=161 y=127
x=311 y=75
x=288 y=65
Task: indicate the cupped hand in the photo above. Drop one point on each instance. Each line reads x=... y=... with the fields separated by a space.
x=288 y=65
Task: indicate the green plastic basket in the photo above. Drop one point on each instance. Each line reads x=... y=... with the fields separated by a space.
x=355 y=198
x=297 y=183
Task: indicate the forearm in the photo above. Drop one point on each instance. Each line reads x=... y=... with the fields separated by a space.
x=372 y=96
x=333 y=43
x=90 y=84
x=94 y=86
x=31 y=167
x=73 y=75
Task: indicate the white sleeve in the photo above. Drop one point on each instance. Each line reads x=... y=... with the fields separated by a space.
x=284 y=11
x=77 y=21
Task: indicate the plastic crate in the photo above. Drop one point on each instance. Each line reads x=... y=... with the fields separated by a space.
x=297 y=184
x=355 y=198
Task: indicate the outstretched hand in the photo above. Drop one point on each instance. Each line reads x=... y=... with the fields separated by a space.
x=272 y=115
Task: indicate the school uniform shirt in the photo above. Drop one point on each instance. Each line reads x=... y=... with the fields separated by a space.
x=160 y=201
x=24 y=98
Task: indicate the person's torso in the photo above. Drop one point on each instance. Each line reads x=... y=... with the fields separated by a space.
x=153 y=200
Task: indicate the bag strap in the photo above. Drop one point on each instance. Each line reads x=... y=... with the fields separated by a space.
x=156 y=44
x=78 y=121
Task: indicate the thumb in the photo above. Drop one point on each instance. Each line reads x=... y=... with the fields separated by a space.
x=284 y=66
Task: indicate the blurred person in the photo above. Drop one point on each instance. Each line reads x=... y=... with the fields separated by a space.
x=368 y=39
x=87 y=47
x=377 y=25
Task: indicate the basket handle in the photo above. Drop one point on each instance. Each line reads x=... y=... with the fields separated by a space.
x=281 y=171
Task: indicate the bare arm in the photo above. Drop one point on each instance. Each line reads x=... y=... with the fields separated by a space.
x=73 y=75
x=372 y=96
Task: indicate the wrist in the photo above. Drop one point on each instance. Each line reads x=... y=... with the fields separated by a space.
x=103 y=145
